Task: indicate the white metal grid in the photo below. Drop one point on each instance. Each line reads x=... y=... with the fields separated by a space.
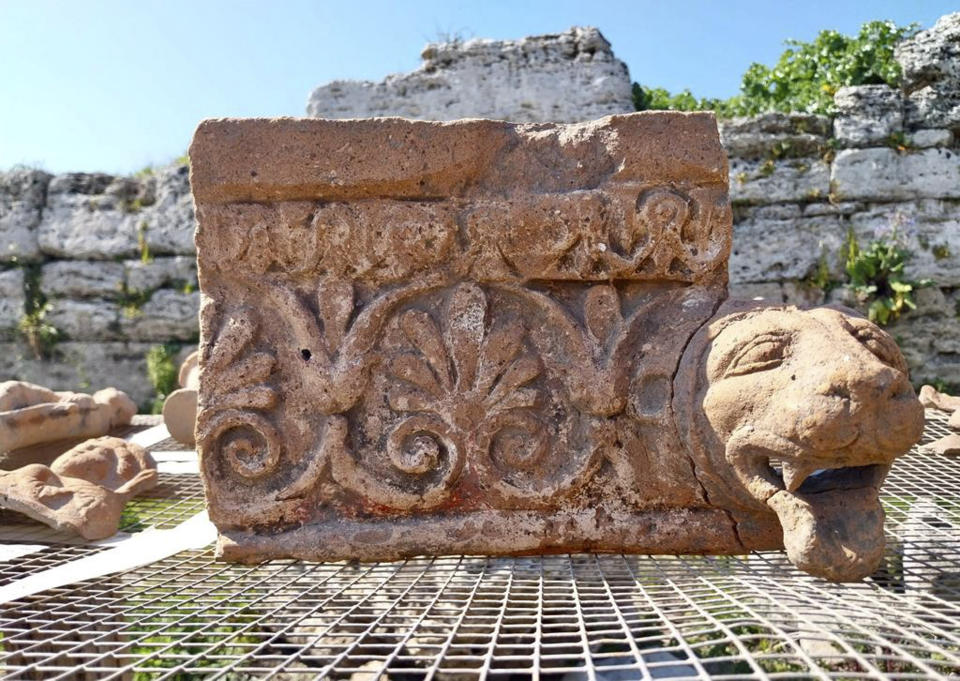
x=551 y=617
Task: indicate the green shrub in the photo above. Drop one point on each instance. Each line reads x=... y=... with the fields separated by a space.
x=39 y=334
x=805 y=78
x=645 y=99
x=876 y=278
x=162 y=372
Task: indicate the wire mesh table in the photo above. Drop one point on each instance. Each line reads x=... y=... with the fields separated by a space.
x=566 y=617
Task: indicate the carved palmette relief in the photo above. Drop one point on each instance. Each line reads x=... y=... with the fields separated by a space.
x=411 y=386
x=467 y=401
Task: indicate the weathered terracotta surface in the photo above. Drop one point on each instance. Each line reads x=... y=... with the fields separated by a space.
x=84 y=490
x=948 y=445
x=31 y=414
x=110 y=462
x=483 y=337
x=180 y=407
x=931 y=398
x=63 y=503
x=824 y=395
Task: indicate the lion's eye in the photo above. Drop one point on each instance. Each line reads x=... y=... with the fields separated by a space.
x=762 y=353
x=882 y=346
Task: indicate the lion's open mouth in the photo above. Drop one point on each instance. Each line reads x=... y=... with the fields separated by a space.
x=831 y=515
x=819 y=480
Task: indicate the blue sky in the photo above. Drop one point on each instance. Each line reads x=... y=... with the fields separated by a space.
x=114 y=86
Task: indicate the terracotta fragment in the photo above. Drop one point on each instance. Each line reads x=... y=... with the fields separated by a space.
x=63 y=503
x=110 y=462
x=931 y=398
x=31 y=414
x=84 y=490
x=180 y=407
x=948 y=445
x=484 y=337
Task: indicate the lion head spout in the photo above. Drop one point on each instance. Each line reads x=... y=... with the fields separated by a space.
x=800 y=413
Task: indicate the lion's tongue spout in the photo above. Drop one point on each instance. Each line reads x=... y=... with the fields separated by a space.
x=835 y=534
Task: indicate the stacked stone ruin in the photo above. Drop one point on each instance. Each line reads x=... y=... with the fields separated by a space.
x=114 y=255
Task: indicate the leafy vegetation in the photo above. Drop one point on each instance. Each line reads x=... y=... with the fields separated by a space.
x=134 y=205
x=940 y=251
x=131 y=301
x=142 y=245
x=821 y=278
x=944 y=387
x=877 y=280
x=39 y=334
x=645 y=99
x=805 y=78
x=162 y=372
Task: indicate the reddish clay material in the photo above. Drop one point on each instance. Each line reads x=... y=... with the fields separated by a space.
x=84 y=490
x=31 y=414
x=484 y=337
x=180 y=407
x=931 y=398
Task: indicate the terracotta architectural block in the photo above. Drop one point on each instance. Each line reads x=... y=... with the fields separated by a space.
x=484 y=337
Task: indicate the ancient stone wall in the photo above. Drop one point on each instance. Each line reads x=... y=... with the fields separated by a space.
x=568 y=77
x=114 y=256
x=888 y=160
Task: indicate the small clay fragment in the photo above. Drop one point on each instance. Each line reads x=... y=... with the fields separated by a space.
x=948 y=445
x=954 y=421
x=63 y=503
x=31 y=414
x=180 y=407
x=84 y=490
x=111 y=462
x=931 y=398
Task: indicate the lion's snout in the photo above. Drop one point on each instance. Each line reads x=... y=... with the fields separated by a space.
x=877 y=400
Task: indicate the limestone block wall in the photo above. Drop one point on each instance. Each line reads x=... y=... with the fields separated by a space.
x=889 y=159
x=567 y=77
x=114 y=256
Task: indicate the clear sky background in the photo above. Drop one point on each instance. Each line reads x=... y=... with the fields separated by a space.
x=96 y=85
